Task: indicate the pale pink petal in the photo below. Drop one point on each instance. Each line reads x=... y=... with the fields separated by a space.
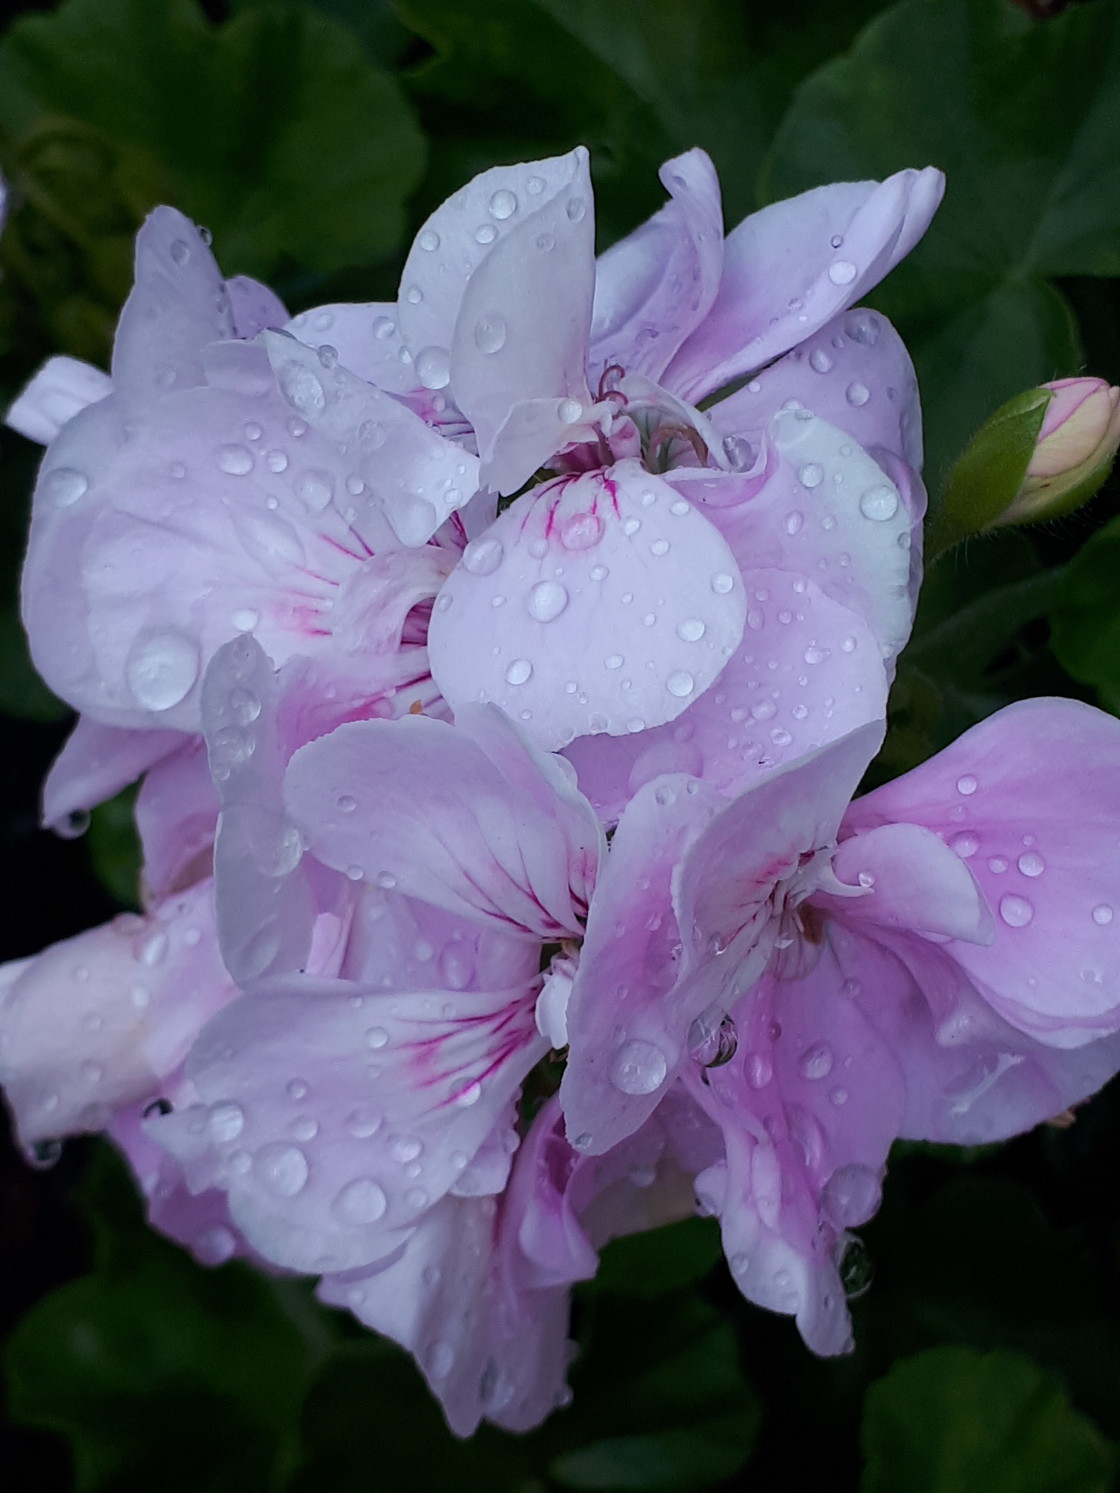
x=1030 y=800
x=95 y=763
x=627 y=1030
x=176 y=817
x=911 y=880
x=855 y=373
x=462 y=233
x=807 y=672
x=656 y=285
x=337 y=1115
x=598 y=603
x=61 y=388
x=820 y=506
x=809 y=1106
x=254 y=306
x=92 y=1024
x=522 y=326
x=485 y=828
x=732 y=887
x=403 y=479
x=806 y=258
x=366 y=338
x=265 y=907
x=177 y=305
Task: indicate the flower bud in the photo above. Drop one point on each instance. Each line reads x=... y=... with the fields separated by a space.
x=1042 y=454
x=1073 y=452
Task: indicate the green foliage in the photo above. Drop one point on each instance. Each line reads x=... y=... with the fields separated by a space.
x=1025 y=121
x=1086 y=616
x=114 y=847
x=951 y=1420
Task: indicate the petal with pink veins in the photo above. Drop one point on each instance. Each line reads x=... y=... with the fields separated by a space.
x=604 y=602
x=335 y=1115
x=470 y=818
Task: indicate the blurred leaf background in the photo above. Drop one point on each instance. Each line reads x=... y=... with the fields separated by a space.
x=312 y=139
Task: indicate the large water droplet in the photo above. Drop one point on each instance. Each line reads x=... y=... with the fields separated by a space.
x=520 y=671
x=816 y=1061
x=568 y=411
x=581 y=531
x=691 y=630
x=850 y=1196
x=547 y=600
x=282 y=1169
x=1030 y=863
x=811 y=475
x=639 y=1068
x=433 y=367
x=225 y=1122
x=842 y=272
x=879 y=503
x=65 y=485
x=483 y=556
x=428 y=241
x=857 y=394
x=503 y=205
x=490 y=333
x=161 y=669
x=361 y=1201
x=236 y=460
x=1102 y=915
x=967 y=785
x=722 y=583
x=966 y=844
x=680 y=683
x=1016 y=912
x=863 y=327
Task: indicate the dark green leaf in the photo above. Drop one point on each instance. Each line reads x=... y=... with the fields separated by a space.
x=1086 y=616
x=162 y=1374
x=275 y=130
x=951 y=1420
x=661 y=1260
x=1025 y=120
x=114 y=847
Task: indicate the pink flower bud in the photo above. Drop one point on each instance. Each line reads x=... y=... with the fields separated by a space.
x=1078 y=439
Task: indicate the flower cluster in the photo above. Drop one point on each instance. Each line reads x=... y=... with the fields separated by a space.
x=499 y=667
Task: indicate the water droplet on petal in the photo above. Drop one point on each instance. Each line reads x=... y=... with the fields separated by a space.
x=576 y=210
x=428 y=241
x=857 y=394
x=503 y=204
x=282 y=1169
x=816 y=1061
x=433 y=367
x=722 y=583
x=819 y=360
x=639 y=1068
x=581 y=531
x=863 y=327
x=1016 y=912
x=851 y=1195
x=161 y=669
x=215 y=1245
x=236 y=460
x=520 y=671
x=180 y=251
x=483 y=556
x=691 y=630
x=1102 y=915
x=811 y=475
x=65 y=485
x=1030 y=863
x=967 y=785
x=376 y=1037
x=547 y=600
x=361 y=1202
x=842 y=272
x=879 y=503
x=680 y=683
x=490 y=333
x=568 y=411
x=966 y=844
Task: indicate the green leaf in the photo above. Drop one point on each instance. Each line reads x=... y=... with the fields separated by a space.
x=275 y=129
x=951 y=1420
x=679 y=1254
x=1025 y=120
x=638 y=81
x=370 y=1422
x=659 y=1399
x=114 y=847
x=162 y=1374
x=1086 y=616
